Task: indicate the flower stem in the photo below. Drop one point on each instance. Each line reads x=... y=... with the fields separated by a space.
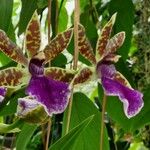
x=48 y=134
x=49 y=19
x=102 y=122
x=76 y=53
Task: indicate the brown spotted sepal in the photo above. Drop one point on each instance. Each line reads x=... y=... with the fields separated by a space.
x=14 y=77
x=115 y=42
x=60 y=74
x=11 y=49
x=33 y=36
x=84 y=75
x=57 y=45
x=84 y=45
x=104 y=38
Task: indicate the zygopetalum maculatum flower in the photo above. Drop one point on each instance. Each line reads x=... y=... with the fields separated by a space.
x=113 y=82
x=48 y=88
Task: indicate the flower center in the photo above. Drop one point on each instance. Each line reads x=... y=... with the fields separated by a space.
x=36 y=67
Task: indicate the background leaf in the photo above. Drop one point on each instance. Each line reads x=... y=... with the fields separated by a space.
x=28 y=8
x=24 y=136
x=69 y=139
x=82 y=108
x=124 y=22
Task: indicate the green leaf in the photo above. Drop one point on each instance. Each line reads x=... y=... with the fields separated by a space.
x=42 y=3
x=24 y=136
x=124 y=22
x=59 y=61
x=6 y=7
x=12 y=105
x=11 y=128
x=67 y=141
x=82 y=108
x=115 y=111
x=27 y=10
x=62 y=20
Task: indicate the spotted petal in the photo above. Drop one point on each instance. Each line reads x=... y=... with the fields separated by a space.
x=53 y=95
x=104 y=38
x=115 y=42
x=60 y=74
x=33 y=36
x=11 y=49
x=84 y=75
x=57 y=45
x=84 y=45
x=13 y=77
x=132 y=99
x=2 y=93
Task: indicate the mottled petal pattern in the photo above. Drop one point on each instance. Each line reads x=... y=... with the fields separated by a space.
x=14 y=77
x=11 y=49
x=60 y=74
x=104 y=38
x=57 y=45
x=115 y=43
x=33 y=36
x=84 y=45
x=53 y=95
x=2 y=93
x=83 y=76
x=132 y=99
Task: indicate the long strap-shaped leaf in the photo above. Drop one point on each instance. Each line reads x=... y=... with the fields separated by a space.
x=57 y=45
x=11 y=49
x=13 y=77
x=103 y=38
x=33 y=36
x=84 y=45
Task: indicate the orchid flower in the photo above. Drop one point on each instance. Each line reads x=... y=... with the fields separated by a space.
x=113 y=82
x=42 y=88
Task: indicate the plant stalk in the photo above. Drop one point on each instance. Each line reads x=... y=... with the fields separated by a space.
x=75 y=61
x=102 y=122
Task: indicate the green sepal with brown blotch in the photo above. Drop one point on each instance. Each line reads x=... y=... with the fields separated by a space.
x=14 y=77
x=84 y=45
x=11 y=49
x=70 y=76
x=115 y=42
x=33 y=36
x=84 y=75
x=64 y=75
x=104 y=38
x=57 y=45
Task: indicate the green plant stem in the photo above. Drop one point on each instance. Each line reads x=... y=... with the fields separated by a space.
x=48 y=134
x=69 y=112
x=75 y=62
x=102 y=122
x=49 y=19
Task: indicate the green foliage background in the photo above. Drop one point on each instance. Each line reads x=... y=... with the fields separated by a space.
x=84 y=133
